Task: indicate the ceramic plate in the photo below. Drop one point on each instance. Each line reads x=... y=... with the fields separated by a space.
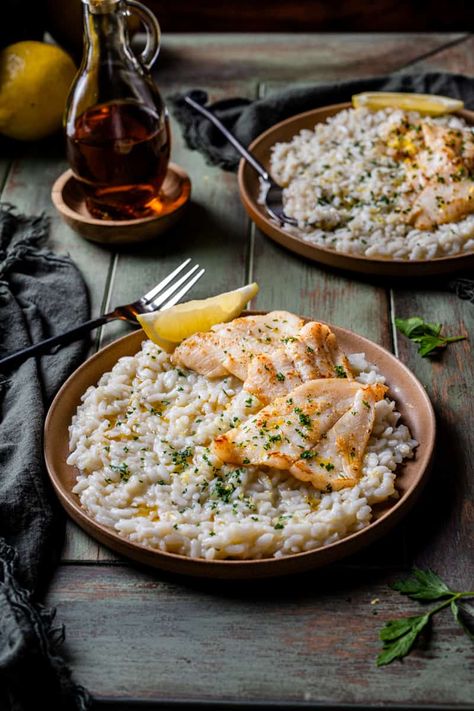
x=405 y=389
x=249 y=190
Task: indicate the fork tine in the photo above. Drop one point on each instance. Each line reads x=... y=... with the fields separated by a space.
x=162 y=298
x=174 y=299
x=159 y=287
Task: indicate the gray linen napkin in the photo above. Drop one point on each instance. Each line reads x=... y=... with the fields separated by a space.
x=41 y=294
x=248 y=119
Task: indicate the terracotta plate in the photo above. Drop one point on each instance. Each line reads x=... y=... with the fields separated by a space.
x=412 y=401
x=249 y=191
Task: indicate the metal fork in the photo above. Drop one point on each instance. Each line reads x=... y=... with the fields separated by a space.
x=159 y=298
x=272 y=193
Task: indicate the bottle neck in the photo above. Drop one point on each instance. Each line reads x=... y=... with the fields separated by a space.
x=105 y=34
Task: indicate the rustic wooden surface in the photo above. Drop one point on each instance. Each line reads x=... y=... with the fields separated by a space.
x=136 y=636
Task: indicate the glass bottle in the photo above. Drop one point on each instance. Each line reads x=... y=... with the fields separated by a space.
x=116 y=124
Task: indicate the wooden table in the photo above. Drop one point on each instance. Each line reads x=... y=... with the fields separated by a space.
x=137 y=636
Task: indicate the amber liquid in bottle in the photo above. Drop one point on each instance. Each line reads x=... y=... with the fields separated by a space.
x=119 y=151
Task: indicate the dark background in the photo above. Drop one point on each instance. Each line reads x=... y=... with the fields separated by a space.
x=27 y=19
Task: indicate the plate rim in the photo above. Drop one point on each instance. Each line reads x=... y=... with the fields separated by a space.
x=253 y=209
x=250 y=568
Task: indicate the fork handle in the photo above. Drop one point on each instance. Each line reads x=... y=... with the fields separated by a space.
x=256 y=165
x=46 y=345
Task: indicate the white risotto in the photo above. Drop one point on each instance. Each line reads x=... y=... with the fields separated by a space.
x=140 y=440
x=350 y=195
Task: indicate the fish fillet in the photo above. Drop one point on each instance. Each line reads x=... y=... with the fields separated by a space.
x=243 y=338
x=441 y=172
x=230 y=347
x=336 y=460
x=201 y=352
x=440 y=203
x=290 y=425
x=271 y=375
x=313 y=354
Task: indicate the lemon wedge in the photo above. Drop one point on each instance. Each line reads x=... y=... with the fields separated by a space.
x=429 y=104
x=169 y=327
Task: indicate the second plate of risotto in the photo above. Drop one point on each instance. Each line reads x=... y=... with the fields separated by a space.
x=268 y=445
x=379 y=192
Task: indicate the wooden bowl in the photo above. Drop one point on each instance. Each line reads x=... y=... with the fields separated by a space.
x=412 y=402
x=249 y=187
x=69 y=201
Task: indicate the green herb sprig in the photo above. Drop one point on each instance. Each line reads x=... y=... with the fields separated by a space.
x=398 y=636
x=427 y=334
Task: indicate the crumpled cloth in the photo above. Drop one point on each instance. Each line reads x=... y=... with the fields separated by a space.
x=248 y=119
x=41 y=294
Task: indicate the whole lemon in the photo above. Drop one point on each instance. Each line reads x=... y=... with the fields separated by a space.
x=35 y=78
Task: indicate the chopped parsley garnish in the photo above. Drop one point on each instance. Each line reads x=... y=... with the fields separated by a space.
x=223 y=490
x=123 y=470
x=308 y=454
x=180 y=458
x=280 y=377
x=340 y=372
x=304 y=419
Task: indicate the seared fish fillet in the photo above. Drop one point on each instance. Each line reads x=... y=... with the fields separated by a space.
x=201 y=352
x=313 y=354
x=440 y=203
x=271 y=376
x=230 y=347
x=447 y=150
x=289 y=426
x=243 y=338
x=336 y=460
x=441 y=170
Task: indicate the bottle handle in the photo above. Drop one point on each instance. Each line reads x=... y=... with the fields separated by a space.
x=153 y=32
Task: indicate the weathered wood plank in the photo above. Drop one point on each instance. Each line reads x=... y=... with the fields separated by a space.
x=457 y=59
x=291 y=282
x=441 y=527
x=78 y=545
x=140 y=635
x=212 y=59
